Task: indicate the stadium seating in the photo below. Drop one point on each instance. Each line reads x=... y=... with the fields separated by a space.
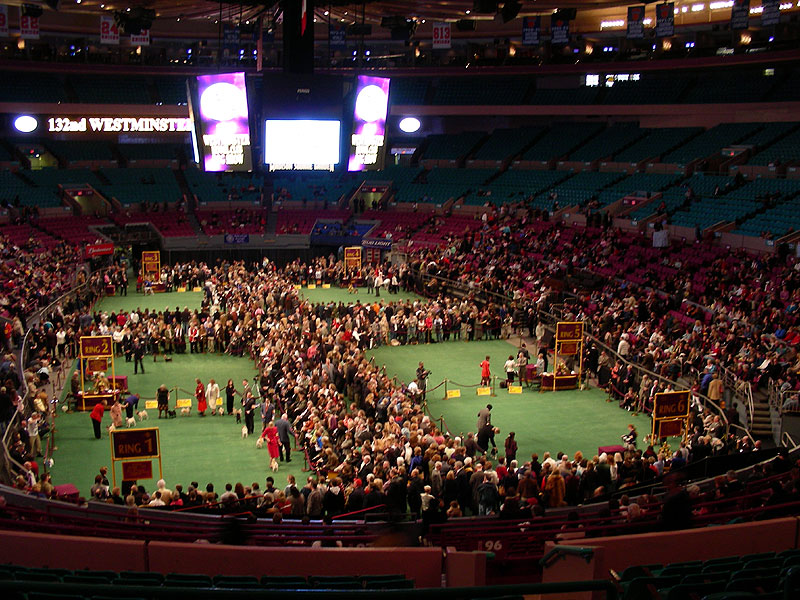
x=322 y=187
x=83 y=151
x=130 y=186
x=397 y=225
x=611 y=141
x=139 y=152
x=74 y=230
x=711 y=142
x=30 y=86
x=649 y=89
x=171 y=90
x=483 y=91
x=583 y=186
x=561 y=140
x=168 y=224
x=91 y=89
x=783 y=150
x=561 y=96
x=451 y=146
x=24 y=235
x=656 y=143
x=411 y=91
x=302 y=222
x=217 y=222
x=729 y=86
x=506 y=143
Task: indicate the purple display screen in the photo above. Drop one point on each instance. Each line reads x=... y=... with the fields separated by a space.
x=368 y=142
x=224 y=124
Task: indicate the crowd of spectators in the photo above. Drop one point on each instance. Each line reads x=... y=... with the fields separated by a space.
x=365 y=431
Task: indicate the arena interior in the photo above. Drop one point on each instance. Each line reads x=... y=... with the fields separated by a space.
x=414 y=299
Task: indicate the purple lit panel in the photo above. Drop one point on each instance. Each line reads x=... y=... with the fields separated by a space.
x=225 y=140
x=368 y=142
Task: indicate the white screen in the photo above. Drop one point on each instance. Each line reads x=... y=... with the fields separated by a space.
x=301 y=142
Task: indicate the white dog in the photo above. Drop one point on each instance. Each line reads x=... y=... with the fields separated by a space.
x=142 y=415
x=259 y=442
x=220 y=411
x=185 y=411
x=130 y=422
x=111 y=429
x=245 y=433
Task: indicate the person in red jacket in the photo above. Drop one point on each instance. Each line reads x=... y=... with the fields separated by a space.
x=97 y=417
x=486 y=372
x=200 y=395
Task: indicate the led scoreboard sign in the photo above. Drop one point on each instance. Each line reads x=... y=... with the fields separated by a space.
x=368 y=142
x=81 y=124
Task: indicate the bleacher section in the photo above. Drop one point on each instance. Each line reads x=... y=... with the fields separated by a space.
x=711 y=142
x=74 y=230
x=224 y=187
x=650 y=89
x=31 y=86
x=301 y=222
x=561 y=96
x=723 y=87
x=452 y=226
x=168 y=224
x=130 y=186
x=782 y=151
x=656 y=143
x=397 y=225
x=580 y=188
x=72 y=152
x=481 y=90
x=451 y=146
x=140 y=152
x=516 y=185
x=410 y=91
x=217 y=222
x=440 y=185
x=171 y=90
x=506 y=143
x=560 y=140
x=310 y=186
x=91 y=89
x=24 y=235
x=611 y=141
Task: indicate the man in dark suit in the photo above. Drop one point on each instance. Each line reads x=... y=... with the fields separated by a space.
x=249 y=406
x=138 y=356
x=285 y=436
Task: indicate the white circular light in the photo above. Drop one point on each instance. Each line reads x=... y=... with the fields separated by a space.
x=25 y=124
x=409 y=125
x=371 y=104
x=223 y=102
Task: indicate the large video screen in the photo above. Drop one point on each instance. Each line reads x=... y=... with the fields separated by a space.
x=302 y=143
x=224 y=129
x=368 y=142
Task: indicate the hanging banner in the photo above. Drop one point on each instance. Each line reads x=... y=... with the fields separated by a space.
x=141 y=39
x=109 y=32
x=441 y=35
x=28 y=27
x=635 y=22
x=3 y=20
x=531 y=27
x=337 y=35
x=665 y=19
x=740 y=14
x=771 y=13
x=230 y=41
x=559 y=31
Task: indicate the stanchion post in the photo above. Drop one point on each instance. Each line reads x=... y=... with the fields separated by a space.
x=494 y=386
x=445 y=389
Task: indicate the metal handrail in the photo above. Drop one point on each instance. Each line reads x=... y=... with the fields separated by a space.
x=740 y=387
x=792 y=444
x=22 y=361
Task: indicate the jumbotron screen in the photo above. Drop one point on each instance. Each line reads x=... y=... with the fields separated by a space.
x=223 y=127
x=302 y=143
x=368 y=142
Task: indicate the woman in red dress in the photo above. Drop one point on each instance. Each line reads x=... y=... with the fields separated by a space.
x=200 y=394
x=271 y=432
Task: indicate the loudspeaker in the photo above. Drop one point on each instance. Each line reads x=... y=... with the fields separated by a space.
x=565 y=14
x=466 y=25
x=359 y=29
x=31 y=10
x=484 y=7
x=510 y=10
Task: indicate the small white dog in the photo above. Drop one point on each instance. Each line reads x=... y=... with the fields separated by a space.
x=237 y=412
x=186 y=411
x=111 y=429
x=130 y=422
x=259 y=443
x=220 y=411
x=142 y=415
x=245 y=433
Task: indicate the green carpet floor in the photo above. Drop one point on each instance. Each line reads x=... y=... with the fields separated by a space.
x=211 y=449
x=335 y=294
x=564 y=421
